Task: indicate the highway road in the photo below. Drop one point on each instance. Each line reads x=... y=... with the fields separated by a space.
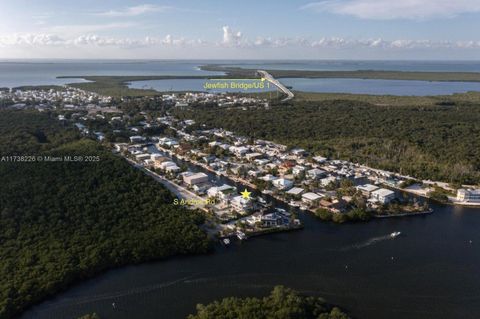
x=267 y=76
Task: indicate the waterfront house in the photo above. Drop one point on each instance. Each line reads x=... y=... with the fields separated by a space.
x=468 y=195
x=311 y=198
x=253 y=219
x=382 y=195
x=367 y=189
x=274 y=219
x=240 y=204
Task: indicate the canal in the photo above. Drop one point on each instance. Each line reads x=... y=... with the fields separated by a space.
x=430 y=271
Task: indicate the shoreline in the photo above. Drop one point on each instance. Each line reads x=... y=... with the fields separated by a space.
x=449 y=202
x=426 y=212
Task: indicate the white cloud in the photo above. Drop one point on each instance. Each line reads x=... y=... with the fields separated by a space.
x=396 y=9
x=31 y=39
x=230 y=37
x=134 y=11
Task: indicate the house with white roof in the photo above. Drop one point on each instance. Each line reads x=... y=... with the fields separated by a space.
x=282 y=183
x=240 y=204
x=295 y=191
x=298 y=169
x=367 y=189
x=195 y=178
x=311 y=198
x=327 y=180
x=223 y=193
x=468 y=195
x=315 y=173
x=320 y=159
x=382 y=195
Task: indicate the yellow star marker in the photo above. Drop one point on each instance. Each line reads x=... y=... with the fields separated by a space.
x=246 y=194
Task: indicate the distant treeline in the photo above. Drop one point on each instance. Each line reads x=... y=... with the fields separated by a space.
x=438 y=142
x=63 y=221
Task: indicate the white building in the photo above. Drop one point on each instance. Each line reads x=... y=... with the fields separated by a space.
x=274 y=219
x=223 y=192
x=320 y=159
x=327 y=180
x=315 y=173
x=296 y=191
x=282 y=183
x=382 y=195
x=468 y=195
x=311 y=198
x=240 y=204
x=297 y=170
x=367 y=189
x=169 y=166
x=239 y=150
x=136 y=139
x=195 y=178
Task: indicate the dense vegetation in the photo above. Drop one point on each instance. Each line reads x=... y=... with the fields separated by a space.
x=360 y=74
x=282 y=303
x=438 y=142
x=65 y=221
x=117 y=86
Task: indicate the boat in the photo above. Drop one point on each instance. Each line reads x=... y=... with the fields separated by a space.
x=241 y=235
x=395 y=234
x=226 y=241
x=293 y=204
x=302 y=207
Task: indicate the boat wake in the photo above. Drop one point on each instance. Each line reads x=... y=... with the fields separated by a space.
x=76 y=301
x=371 y=241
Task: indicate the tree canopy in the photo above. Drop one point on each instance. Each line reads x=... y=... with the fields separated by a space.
x=65 y=221
x=282 y=303
x=438 y=142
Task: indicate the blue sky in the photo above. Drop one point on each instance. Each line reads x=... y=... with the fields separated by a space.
x=268 y=29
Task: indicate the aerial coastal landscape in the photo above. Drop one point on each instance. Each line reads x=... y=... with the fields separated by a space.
x=234 y=172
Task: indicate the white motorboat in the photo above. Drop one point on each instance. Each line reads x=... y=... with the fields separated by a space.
x=293 y=203
x=241 y=235
x=226 y=241
x=395 y=234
